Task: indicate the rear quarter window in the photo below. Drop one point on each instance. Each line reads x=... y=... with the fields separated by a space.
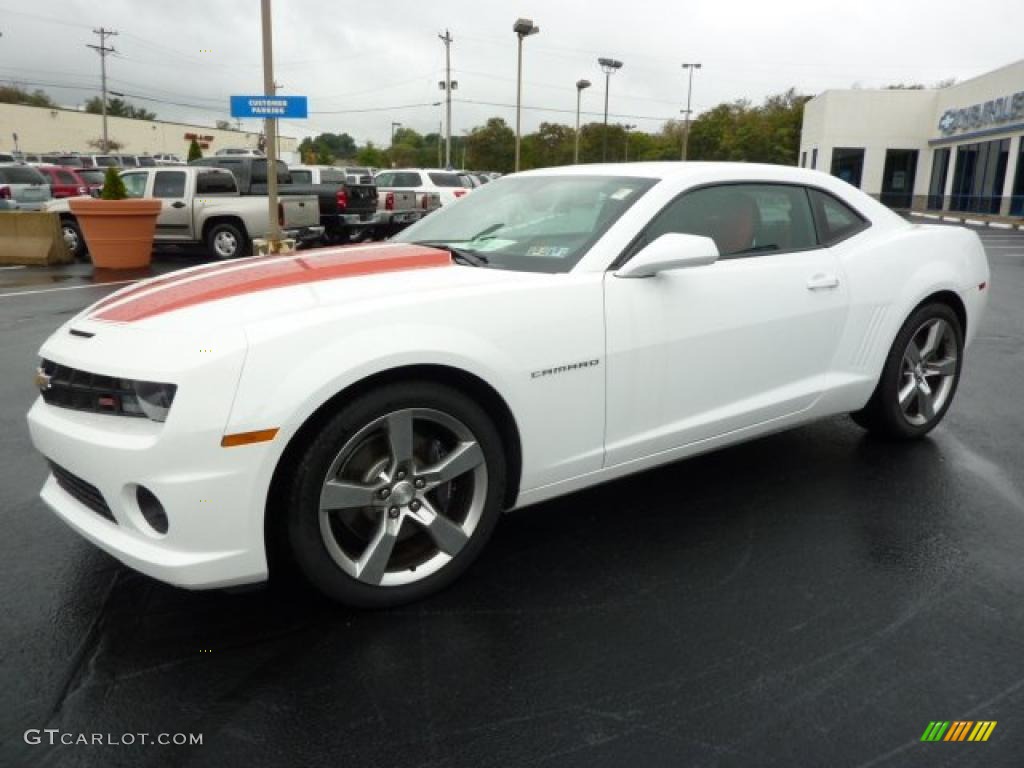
x=446 y=179
x=834 y=219
x=22 y=175
x=210 y=183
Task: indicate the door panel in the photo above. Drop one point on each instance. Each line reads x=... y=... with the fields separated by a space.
x=175 y=220
x=700 y=352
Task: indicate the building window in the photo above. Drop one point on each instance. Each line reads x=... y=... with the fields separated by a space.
x=979 y=176
x=814 y=159
x=937 y=186
x=898 y=177
x=1017 y=201
x=847 y=164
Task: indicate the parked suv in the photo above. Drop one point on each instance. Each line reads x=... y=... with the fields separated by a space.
x=64 y=182
x=447 y=184
x=24 y=185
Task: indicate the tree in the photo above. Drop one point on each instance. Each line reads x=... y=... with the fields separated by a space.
x=112 y=145
x=371 y=156
x=492 y=146
x=118 y=108
x=113 y=185
x=194 y=151
x=13 y=94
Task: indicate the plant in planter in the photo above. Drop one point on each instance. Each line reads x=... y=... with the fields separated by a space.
x=118 y=229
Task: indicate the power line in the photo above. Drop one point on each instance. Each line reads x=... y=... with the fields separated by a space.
x=568 y=111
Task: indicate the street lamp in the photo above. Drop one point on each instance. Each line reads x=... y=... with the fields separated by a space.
x=689 y=88
x=393 y=126
x=580 y=85
x=522 y=28
x=609 y=67
x=625 y=154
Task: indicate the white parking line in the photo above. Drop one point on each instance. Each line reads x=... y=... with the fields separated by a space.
x=17 y=267
x=67 y=288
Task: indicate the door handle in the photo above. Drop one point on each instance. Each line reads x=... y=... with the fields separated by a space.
x=177 y=204
x=822 y=281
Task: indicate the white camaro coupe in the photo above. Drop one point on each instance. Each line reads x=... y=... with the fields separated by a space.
x=370 y=411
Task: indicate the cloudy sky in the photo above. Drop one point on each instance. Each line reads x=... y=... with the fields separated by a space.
x=366 y=64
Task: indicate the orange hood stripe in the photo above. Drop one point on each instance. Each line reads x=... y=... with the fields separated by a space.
x=308 y=267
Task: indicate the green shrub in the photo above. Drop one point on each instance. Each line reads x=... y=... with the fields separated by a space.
x=113 y=186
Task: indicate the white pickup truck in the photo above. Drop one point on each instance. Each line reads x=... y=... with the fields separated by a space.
x=201 y=206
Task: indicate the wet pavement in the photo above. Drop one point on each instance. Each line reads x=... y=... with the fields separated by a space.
x=811 y=598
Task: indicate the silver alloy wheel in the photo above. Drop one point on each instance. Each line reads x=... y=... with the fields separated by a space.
x=403 y=496
x=70 y=238
x=225 y=244
x=927 y=372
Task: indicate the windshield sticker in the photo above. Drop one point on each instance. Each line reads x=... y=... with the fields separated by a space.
x=622 y=194
x=548 y=251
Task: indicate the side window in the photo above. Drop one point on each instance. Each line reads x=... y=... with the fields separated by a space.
x=302 y=177
x=835 y=220
x=134 y=184
x=169 y=184
x=63 y=177
x=742 y=219
x=214 y=183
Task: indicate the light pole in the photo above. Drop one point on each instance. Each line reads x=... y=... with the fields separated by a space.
x=609 y=67
x=393 y=126
x=689 y=88
x=580 y=85
x=522 y=28
x=625 y=153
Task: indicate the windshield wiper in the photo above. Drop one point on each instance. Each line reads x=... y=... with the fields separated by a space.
x=461 y=255
x=480 y=235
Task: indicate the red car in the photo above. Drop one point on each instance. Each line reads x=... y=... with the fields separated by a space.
x=66 y=182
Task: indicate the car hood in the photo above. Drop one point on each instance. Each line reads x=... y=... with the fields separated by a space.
x=258 y=289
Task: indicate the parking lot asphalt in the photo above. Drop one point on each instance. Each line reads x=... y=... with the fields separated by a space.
x=814 y=598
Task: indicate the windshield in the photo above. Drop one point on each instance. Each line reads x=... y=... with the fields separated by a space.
x=531 y=223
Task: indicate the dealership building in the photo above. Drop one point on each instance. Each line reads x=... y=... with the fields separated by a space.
x=957 y=148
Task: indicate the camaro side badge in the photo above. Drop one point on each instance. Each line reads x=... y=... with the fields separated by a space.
x=564 y=368
x=42 y=380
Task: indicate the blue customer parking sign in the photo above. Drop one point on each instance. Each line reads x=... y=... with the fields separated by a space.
x=269 y=106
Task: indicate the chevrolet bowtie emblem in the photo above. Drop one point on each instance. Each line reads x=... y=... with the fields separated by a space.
x=42 y=380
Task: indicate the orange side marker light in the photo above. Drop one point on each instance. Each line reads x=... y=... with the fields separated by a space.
x=248 y=438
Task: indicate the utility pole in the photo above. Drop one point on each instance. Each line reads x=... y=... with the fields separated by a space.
x=446 y=38
x=103 y=49
x=270 y=89
x=689 y=88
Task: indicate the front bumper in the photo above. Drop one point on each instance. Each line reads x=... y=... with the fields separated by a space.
x=214 y=497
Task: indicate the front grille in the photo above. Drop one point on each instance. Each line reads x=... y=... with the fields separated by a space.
x=84 y=391
x=81 y=491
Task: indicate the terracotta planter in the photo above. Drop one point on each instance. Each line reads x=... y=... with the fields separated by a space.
x=119 y=233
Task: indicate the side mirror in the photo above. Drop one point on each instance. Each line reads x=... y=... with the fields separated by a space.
x=670 y=251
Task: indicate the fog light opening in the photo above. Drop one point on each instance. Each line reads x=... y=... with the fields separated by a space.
x=151 y=508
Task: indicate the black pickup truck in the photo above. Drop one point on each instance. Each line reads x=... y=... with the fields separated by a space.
x=348 y=211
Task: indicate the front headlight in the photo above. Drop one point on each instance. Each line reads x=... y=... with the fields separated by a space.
x=154 y=398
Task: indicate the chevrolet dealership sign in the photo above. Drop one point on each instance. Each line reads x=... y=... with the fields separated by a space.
x=994 y=112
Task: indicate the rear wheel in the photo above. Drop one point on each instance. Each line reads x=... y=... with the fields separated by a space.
x=225 y=240
x=920 y=376
x=397 y=495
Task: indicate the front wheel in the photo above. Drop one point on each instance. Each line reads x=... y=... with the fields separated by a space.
x=920 y=376
x=73 y=239
x=397 y=495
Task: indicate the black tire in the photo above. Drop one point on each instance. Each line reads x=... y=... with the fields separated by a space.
x=307 y=542
x=73 y=238
x=220 y=235
x=883 y=415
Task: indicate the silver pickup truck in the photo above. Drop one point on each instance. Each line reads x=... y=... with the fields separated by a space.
x=201 y=206
x=396 y=209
